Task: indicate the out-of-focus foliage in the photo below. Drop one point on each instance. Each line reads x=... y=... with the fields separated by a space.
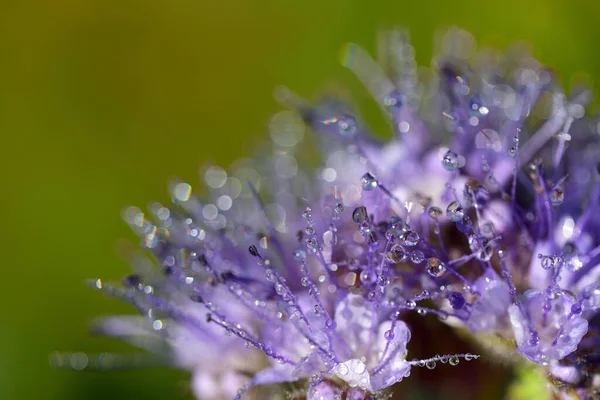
x=101 y=101
x=529 y=383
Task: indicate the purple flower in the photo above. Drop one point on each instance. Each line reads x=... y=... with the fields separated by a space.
x=483 y=204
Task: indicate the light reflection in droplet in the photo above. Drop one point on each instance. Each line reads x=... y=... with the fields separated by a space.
x=79 y=361
x=403 y=126
x=224 y=202
x=286 y=128
x=182 y=191
x=215 y=176
x=286 y=166
x=329 y=174
x=210 y=211
x=276 y=214
x=157 y=325
x=163 y=213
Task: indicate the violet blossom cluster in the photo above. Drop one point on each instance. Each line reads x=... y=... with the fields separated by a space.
x=481 y=210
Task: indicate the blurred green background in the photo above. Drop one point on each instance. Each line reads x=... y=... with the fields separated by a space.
x=101 y=102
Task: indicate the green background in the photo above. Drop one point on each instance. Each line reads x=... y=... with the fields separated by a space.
x=101 y=102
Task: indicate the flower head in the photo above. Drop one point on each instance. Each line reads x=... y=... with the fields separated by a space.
x=481 y=210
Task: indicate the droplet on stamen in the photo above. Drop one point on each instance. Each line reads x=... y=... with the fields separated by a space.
x=368 y=182
x=450 y=161
x=359 y=214
x=454 y=211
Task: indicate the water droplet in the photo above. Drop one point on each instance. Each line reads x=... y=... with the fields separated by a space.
x=450 y=161
x=339 y=208
x=422 y=311
x=513 y=151
x=396 y=228
x=455 y=212
x=346 y=126
x=305 y=281
x=410 y=304
x=342 y=369
x=396 y=254
x=383 y=280
x=132 y=280
x=534 y=340
x=548 y=262
x=365 y=276
x=488 y=139
x=417 y=257
x=359 y=214
x=279 y=289
x=457 y=300
x=389 y=334
x=435 y=213
x=430 y=364
x=410 y=238
x=393 y=101
x=481 y=248
x=557 y=196
x=469 y=357
x=286 y=128
x=182 y=191
x=464 y=225
x=435 y=267
x=269 y=275
x=372 y=237
x=253 y=251
x=299 y=255
x=368 y=182
x=307 y=213
x=572 y=261
x=453 y=360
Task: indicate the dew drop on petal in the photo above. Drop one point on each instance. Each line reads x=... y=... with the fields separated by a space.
x=182 y=191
